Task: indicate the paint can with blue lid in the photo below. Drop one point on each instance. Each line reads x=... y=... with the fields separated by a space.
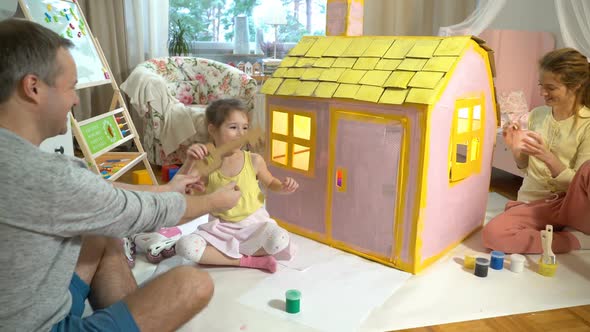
x=497 y=262
x=293 y=301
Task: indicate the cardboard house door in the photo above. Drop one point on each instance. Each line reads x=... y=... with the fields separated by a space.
x=366 y=154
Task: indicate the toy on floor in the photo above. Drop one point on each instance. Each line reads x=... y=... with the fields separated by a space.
x=293 y=301
x=469 y=261
x=383 y=129
x=497 y=261
x=141 y=176
x=517 y=263
x=204 y=167
x=166 y=172
x=481 y=267
x=158 y=245
x=547 y=262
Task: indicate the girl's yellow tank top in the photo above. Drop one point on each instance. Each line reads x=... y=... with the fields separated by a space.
x=252 y=198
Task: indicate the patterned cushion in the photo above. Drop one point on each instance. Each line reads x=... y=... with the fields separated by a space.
x=187 y=92
x=195 y=82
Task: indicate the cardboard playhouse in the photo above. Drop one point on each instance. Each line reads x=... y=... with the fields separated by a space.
x=390 y=139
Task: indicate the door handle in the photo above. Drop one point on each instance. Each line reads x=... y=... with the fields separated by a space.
x=340 y=179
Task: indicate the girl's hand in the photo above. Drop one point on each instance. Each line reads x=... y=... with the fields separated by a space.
x=289 y=185
x=196 y=152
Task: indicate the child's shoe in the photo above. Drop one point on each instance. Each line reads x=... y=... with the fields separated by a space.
x=129 y=250
x=158 y=245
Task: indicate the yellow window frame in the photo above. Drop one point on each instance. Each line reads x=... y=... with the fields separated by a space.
x=291 y=140
x=462 y=133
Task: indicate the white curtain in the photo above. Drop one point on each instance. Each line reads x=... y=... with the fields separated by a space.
x=147 y=30
x=412 y=17
x=478 y=21
x=574 y=23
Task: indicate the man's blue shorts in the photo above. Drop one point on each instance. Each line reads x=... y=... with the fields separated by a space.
x=114 y=318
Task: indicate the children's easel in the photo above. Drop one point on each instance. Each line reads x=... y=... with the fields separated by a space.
x=99 y=135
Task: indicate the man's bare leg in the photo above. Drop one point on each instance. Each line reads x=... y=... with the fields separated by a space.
x=170 y=300
x=103 y=266
x=164 y=304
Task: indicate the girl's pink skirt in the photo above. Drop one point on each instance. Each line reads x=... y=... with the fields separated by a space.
x=243 y=237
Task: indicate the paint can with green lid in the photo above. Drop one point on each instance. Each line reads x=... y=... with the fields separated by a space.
x=293 y=301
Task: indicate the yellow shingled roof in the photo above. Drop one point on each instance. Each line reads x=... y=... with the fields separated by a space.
x=390 y=70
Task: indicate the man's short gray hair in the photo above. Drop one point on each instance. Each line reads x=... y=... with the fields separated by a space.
x=27 y=48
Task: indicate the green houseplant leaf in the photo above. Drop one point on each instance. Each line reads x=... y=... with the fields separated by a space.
x=177 y=44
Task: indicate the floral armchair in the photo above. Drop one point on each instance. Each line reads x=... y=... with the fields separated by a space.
x=191 y=84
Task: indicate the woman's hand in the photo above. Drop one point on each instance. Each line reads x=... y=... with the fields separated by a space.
x=514 y=139
x=508 y=132
x=289 y=185
x=533 y=145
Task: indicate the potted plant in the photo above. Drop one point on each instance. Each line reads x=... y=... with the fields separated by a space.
x=178 y=44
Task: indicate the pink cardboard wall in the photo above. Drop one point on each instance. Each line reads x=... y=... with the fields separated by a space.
x=306 y=207
x=517 y=54
x=452 y=212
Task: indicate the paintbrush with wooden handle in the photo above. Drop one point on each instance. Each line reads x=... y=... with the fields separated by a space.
x=546 y=242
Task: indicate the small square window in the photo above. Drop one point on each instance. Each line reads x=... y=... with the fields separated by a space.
x=279 y=151
x=466 y=138
x=476 y=125
x=302 y=126
x=301 y=156
x=463 y=121
x=292 y=140
x=280 y=123
x=461 y=153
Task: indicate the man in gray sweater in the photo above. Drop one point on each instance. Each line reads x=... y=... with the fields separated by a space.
x=60 y=223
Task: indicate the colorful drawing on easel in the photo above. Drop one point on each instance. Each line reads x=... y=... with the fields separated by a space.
x=101 y=133
x=64 y=18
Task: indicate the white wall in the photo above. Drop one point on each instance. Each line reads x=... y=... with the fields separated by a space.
x=7 y=8
x=529 y=15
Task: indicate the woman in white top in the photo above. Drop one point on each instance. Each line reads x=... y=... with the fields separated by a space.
x=554 y=154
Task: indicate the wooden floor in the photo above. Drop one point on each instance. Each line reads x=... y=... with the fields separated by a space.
x=574 y=319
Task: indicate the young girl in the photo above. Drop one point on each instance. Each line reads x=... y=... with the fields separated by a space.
x=554 y=153
x=244 y=235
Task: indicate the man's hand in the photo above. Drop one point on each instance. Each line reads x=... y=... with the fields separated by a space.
x=225 y=197
x=181 y=183
x=199 y=187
